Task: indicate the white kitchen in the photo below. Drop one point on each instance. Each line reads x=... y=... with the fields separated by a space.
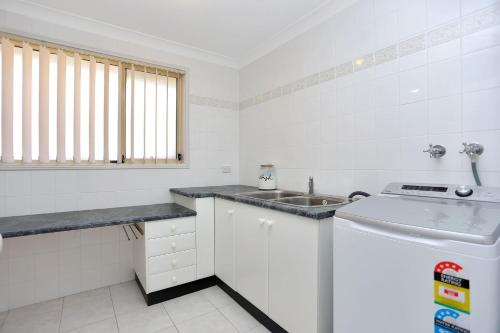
x=319 y=166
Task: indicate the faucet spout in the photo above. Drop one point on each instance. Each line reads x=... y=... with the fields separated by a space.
x=311 y=185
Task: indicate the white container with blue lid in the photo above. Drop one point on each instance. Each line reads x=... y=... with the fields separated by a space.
x=267 y=177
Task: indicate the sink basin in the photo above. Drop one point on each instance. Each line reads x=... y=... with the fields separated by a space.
x=313 y=201
x=270 y=195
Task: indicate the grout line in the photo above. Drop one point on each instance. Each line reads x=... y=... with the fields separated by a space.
x=168 y=315
x=114 y=310
x=60 y=319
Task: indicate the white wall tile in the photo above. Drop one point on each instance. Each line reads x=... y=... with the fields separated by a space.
x=413 y=85
x=445 y=115
x=481 y=110
x=469 y=6
x=481 y=70
x=412 y=17
x=444 y=78
x=442 y=11
x=414 y=119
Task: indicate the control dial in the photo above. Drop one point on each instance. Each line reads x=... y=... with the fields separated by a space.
x=463 y=191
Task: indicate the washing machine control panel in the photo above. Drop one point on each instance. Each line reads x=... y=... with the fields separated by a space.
x=445 y=191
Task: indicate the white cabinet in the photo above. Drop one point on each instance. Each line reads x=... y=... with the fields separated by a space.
x=165 y=253
x=281 y=263
x=251 y=230
x=225 y=212
x=293 y=272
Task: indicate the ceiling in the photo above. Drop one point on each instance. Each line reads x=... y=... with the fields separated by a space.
x=234 y=29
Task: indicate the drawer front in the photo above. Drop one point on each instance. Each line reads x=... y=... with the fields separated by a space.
x=171 y=279
x=170 y=227
x=166 y=245
x=169 y=262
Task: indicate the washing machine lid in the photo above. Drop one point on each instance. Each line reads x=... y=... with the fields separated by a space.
x=461 y=220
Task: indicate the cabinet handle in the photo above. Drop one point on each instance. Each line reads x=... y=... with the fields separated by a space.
x=174 y=245
x=173 y=228
x=174 y=262
x=262 y=220
x=270 y=223
x=126 y=233
x=230 y=211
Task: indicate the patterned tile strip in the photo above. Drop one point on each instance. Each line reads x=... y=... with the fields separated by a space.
x=475 y=22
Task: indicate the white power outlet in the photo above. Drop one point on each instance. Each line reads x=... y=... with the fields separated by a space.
x=226 y=169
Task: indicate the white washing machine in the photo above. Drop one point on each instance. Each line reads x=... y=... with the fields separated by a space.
x=418 y=258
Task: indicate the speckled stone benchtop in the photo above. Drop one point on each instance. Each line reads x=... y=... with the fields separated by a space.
x=16 y=226
x=230 y=192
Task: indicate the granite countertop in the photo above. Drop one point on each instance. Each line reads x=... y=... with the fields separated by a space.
x=16 y=226
x=230 y=192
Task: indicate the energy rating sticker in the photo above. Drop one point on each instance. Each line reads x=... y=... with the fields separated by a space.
x=449 y=321
x=451 y=289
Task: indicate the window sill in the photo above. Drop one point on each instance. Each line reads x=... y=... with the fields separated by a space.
x=95 y=166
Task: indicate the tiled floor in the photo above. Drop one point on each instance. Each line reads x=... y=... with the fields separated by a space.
x=121 y=308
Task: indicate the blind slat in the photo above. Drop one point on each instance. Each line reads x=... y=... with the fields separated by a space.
x=106 y=112
x=61 y=107
x=92 y=110
x=121 y=106
x=77 y=101
x=132 y=107
x=7 y=100
x=27 y=105
x=43 y=106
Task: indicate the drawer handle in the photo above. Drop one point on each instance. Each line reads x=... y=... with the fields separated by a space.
x=174 y=262
x=230 y=211
x=174 y=279
x=262 y=220
x=173 y=228
x=270 y=223
x=174 y=245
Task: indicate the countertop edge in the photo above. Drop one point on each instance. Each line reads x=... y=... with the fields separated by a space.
x=320 y=215
x=52 y=227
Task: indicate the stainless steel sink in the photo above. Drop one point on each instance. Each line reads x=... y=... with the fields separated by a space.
x=313 y=201
x=297 y=199
x=270 y=195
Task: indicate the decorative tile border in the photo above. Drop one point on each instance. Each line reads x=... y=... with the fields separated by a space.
x=467 y=25
x=216 y=103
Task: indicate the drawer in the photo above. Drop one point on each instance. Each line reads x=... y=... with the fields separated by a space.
x=170 y=262
x=166 y=245
x=171 y=227
x=171 y=279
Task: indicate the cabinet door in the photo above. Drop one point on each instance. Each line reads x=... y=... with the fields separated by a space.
x=293 y=272
x=224 y=241
x=251 y=254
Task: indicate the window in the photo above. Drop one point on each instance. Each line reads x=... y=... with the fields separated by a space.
x=70 y=107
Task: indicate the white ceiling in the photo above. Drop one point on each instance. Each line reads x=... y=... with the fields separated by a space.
x=238 y=30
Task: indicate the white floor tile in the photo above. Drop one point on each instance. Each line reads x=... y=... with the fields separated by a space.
x=86 y=309
x=127 y=297
x=3 y=315
x=147 y=320
x=259 y=329
x=213 y=322
x=105 y=326
x=217 y=296
x=168 y=330
x=87 y=296
x=46 y=322
x=187 y=307
x=36 y=309
x=241 y=319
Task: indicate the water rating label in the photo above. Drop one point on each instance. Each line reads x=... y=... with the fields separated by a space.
x=450 y=321
x=451 y=288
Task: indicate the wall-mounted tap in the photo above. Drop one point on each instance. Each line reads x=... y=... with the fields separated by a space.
x=311 y=185
x=435 y=151
x=473 y=150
